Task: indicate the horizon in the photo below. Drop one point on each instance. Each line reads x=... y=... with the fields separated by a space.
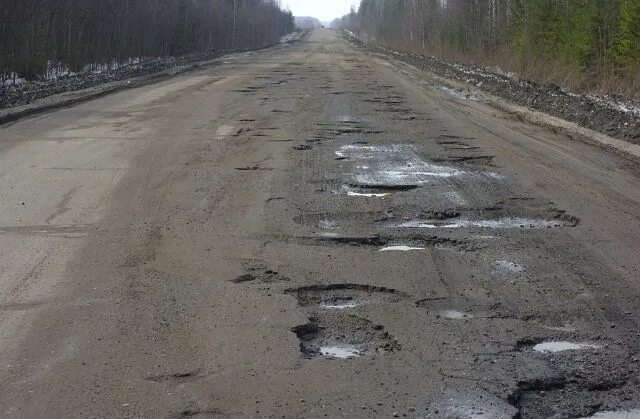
x=325 y=11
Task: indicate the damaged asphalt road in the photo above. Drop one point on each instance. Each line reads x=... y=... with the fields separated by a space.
x=308 y=232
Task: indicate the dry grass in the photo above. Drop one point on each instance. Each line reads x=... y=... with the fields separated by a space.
x=602 y=81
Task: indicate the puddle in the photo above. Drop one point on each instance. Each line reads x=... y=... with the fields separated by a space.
x=501 y=223
x=454 y=315
x=339 y=305
x=617 y=414
x=342 y=352
x=362 y=192
x=505 y=265
x=563 y=346
x=458 y=308
x=459 y=94
x=400 y=249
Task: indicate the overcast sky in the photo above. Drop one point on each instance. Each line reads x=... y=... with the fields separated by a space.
x=325 y=10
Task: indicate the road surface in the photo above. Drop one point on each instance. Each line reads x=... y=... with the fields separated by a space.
x=313 y=231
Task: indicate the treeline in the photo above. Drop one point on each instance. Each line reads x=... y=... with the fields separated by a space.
x=584 y=44
x=36 y=33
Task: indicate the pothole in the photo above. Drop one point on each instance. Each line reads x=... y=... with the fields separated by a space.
x=500 y=223
x=462 y=309
x=357 y=241
x=343 y=296
x=393 y=166
x=341 y=335
x=563 y=396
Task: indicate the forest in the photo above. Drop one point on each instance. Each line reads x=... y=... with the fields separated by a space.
x=586 y=45
x=71 y=34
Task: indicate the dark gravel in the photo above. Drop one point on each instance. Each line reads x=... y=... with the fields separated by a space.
x=615 y=116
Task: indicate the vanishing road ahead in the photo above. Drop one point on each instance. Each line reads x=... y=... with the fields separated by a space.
x=312 y=230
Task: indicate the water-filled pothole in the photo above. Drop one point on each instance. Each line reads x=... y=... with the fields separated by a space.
x=463 y=309
x=337 y=334
x=343 y=351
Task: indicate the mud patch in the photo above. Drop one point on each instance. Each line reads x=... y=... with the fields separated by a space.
x=337 y=334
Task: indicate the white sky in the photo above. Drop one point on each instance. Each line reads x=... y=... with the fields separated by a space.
x=325 y=10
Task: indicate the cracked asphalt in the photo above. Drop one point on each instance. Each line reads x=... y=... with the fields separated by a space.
x=313 y=230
